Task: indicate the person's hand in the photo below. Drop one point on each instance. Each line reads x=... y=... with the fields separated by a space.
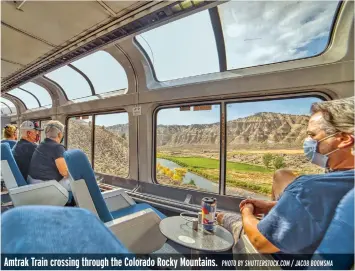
x=247 y=207
x=220 y=218
x=260 y=206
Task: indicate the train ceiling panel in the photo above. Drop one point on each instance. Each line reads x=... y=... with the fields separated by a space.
x=8 y=67
x=21 y=48
x=32 y=29
x=54 y=22
x=120 y=7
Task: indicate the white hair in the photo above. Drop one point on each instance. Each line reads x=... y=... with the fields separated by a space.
x=338 y=115
x=53 y=128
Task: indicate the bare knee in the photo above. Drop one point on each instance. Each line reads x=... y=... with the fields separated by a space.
x=281 y=175
x=281 y=179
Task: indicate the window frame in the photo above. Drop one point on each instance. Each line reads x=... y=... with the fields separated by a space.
x=223 y=129
x=154 y=152
x=217 y=27
x=92 y=136
x=93 y=140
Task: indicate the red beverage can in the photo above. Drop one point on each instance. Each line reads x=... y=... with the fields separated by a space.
x=209 y=207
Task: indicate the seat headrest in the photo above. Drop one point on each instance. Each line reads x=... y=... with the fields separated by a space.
x=339 y=237
x=6 y=154
x=12 y=143
x=57 y=230
x=80 y=168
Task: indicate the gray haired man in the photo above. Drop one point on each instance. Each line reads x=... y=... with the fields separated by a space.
x=48 y=162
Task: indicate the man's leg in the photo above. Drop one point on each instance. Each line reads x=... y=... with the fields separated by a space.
x=30 y=180
x=65 y=182
x=282 y=178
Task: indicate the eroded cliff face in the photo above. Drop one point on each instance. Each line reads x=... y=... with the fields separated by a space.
x=259 y=129
x=111 y=147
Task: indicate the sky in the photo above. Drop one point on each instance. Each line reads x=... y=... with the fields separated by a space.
x=255 y=33
x=173 y=116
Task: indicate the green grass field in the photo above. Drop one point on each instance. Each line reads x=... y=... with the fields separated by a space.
x=209 y=169
x=201 y=162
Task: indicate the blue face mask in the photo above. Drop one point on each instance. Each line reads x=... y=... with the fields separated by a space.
x=310 y=150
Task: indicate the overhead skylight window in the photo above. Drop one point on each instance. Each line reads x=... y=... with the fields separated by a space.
x=182 y=48
x=258 y=33
x=247 y=33
x=105 y=73
x=41 y=94
x=71 y=81
x=28 y=99
x=7 y=107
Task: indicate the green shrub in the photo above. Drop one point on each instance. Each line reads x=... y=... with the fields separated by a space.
x=267 y=158
x=279 y=162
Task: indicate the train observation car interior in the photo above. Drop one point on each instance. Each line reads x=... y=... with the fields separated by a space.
x=167 y=103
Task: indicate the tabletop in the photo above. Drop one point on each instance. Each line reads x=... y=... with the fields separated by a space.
x=180 y=231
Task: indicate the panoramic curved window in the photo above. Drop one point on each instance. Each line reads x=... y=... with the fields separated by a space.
x=249 y=34
x=72 y=82
x=188 y=146
x=111 y=144
x=28 y=99
x=79 y=131
x=182 y=48
x=7 y=107
x=257 y=33
x=41 y=94
x=105 y=73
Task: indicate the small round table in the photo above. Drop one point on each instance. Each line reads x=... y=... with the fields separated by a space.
x=180 y=231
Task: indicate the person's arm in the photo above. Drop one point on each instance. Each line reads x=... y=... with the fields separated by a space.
x=250 y=223
x=62 y=166
x=260 y=206
x=59 y=161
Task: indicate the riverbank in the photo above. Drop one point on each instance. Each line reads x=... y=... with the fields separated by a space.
x=253 y=178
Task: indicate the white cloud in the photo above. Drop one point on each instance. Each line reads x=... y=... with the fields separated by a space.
x=264 y=32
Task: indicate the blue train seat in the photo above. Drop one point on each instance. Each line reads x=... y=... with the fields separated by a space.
x=22 y=193
x=49 y=229
x=338 y=242
x=119 y=211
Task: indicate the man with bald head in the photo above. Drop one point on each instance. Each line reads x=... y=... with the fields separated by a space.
x=297 y=222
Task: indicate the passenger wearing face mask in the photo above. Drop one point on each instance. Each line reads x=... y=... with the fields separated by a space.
x=296 y=223
x=25 y=147
x=48 y=161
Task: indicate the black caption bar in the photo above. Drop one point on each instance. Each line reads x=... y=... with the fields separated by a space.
x=173 y=261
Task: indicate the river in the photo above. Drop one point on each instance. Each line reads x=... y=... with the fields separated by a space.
x=200 y=182
x=207 y=185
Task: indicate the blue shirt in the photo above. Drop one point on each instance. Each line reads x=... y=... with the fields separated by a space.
x=299 y=220
x=43 y=166
x=22 y=152
x=10 y=142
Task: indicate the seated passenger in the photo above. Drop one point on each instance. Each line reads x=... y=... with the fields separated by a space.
x=25 y=147
x=297 y=222
x=48 y=161
x=10 y=135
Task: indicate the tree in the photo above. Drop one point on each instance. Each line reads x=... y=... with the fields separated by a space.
x=267 y=158
x=279 y=162
x=124 y=136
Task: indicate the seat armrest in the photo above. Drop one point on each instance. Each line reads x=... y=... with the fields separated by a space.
x=117 y=199
x=46 y=193
x=139 y=232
